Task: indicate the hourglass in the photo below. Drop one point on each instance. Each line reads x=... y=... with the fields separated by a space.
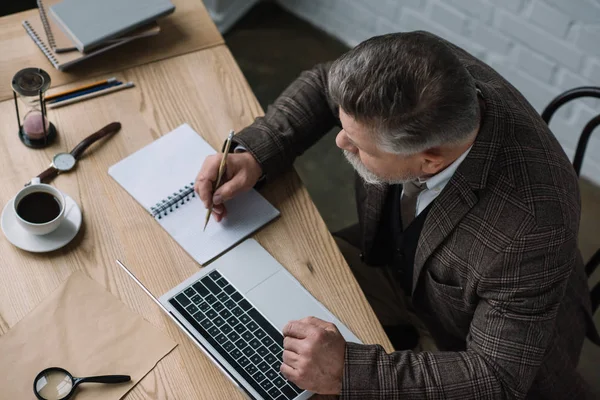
x=30 y=85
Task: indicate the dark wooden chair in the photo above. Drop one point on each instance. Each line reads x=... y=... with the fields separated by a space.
x=586 y=91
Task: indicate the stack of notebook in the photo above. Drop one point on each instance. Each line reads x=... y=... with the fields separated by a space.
x=70 y=31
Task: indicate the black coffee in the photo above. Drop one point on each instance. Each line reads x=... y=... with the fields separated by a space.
x=38 y=207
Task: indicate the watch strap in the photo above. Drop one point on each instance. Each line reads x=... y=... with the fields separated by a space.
x=48 y=174
x=109 y=129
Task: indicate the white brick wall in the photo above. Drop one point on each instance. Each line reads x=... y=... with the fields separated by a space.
x=543 y=47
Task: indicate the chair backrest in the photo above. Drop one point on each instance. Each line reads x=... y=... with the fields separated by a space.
x=560 y=100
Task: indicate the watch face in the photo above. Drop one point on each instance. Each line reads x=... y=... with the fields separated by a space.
x=63 y=161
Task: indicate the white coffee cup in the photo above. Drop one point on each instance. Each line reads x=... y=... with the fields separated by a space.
x=46 y=227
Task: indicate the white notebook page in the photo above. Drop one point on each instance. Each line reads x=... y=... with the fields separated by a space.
x=167 y=165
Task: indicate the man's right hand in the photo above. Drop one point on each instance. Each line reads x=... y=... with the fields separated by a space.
x=241 y=174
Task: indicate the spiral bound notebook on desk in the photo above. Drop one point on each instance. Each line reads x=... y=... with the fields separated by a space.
x=160 y=177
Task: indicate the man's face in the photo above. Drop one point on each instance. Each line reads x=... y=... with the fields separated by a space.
x=372 y=164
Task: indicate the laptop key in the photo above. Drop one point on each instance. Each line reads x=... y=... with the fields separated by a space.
x=233 y=336
x=254 y=343
x=245 y=305
x=218 y=321
x=238 y=328
x=252 y=326
x=271 y=374
x=213 y=287
x=212 y=314
x=192 y=309
x=248 y=351
x=226 y=329
x=218 y=306
x=263 y=366
x=210 y=299
x=248 y=336
x=241 y=344
x=262 y=350
x=203 y=306
x=233 y=321
x=228 y=346
x=255 y=359
x=222 y=282
x=235 y=353
x=225 y=313
x=229 y=289
x=244 y=318
x=289 y=392
x=259 y=333
x=258 y=377
x=267 y=341
x=221 y=338
x=279 y=381
x=223 y=296
x=215 y=275
x=196 y=299
x=189 y=292
x=251 y=369
x=230 y=304
x=274 y=393
x=207 y=324
x=267 y=385
x=199 y=316
x=214 y=331
x=182 y=299
x=236 y=297
x=200 y=288
x=243 y=361
x=236 y=311
x=275 y=350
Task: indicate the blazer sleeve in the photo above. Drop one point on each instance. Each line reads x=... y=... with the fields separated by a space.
x=520 y=293
x=301 y=115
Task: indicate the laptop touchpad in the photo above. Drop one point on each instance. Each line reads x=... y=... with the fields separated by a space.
x=281 y=299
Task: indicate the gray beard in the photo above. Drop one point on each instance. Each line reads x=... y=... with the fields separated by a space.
x=369 y=176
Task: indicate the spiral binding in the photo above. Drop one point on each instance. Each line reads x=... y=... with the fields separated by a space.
x=49 y=54
x=164 y=207
x=46 y=24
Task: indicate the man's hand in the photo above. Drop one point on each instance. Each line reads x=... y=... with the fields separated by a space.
x=241 y=174
x=313 y=356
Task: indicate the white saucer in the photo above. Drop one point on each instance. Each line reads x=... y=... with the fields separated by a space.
x=18 y=236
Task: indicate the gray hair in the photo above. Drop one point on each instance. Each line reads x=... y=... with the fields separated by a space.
x=409 y=88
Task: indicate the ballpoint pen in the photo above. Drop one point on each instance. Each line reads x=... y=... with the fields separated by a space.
x=220 y=175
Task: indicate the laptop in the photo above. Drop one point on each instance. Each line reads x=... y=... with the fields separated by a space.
x=235 y=309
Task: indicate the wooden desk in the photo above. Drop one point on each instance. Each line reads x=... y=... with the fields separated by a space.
x=207 y=90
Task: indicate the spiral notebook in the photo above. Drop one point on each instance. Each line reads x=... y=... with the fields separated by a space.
x=161 y=176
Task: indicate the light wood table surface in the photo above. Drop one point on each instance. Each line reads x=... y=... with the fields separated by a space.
x=207 y=90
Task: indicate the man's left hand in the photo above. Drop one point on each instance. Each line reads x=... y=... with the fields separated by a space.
x=313 y=356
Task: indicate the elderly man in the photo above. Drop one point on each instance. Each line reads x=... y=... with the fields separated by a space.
x=467 y=204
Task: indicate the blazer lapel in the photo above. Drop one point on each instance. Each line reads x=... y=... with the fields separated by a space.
x=460 y=194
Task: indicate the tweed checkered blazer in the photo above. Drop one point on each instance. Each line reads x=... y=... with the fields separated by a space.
x=498 y=278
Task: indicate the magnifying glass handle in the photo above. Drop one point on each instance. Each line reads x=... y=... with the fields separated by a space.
x=104 y=379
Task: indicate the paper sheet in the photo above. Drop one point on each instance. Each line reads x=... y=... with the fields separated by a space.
x=85 y=330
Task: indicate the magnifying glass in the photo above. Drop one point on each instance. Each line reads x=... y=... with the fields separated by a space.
x=58 y=384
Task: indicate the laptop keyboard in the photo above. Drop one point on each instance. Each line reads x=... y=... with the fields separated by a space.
x=239 y=333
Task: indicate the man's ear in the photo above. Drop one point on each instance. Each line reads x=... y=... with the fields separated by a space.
x=432 y=162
